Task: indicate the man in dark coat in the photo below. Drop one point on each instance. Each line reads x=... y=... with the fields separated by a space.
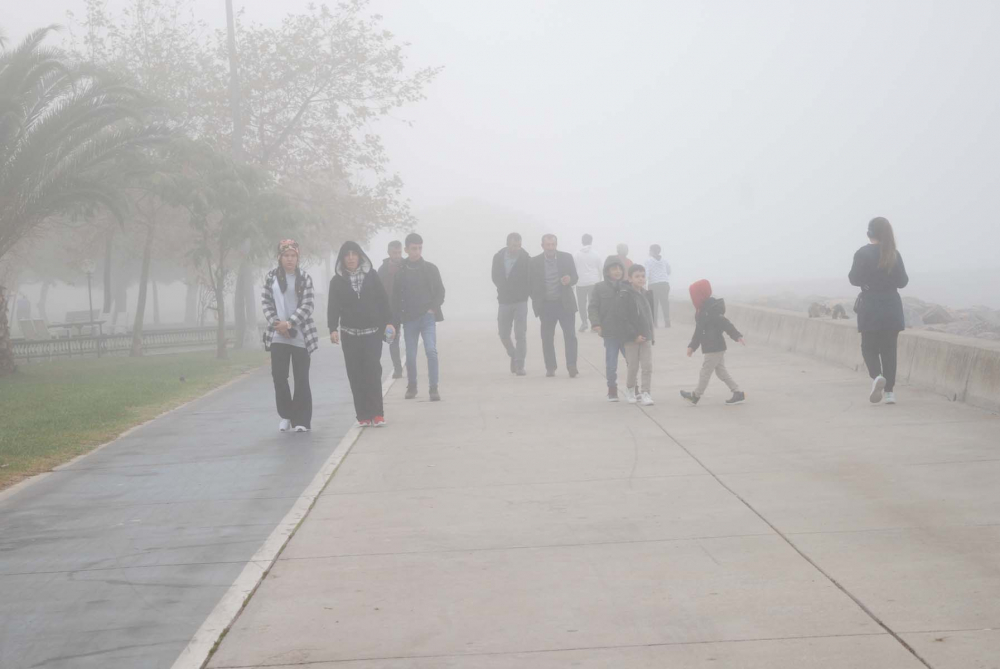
x=510 y=276
x=553 y=275
x=387 y=273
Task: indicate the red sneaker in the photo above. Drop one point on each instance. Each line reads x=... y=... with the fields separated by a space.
x=378 y=421
x=364 y=423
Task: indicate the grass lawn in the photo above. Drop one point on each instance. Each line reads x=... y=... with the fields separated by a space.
x=53 y=411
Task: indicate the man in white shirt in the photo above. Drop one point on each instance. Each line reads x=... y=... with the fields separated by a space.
x=658 y=278
x=591 y=271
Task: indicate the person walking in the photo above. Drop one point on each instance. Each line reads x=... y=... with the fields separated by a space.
x=879 y=272
x=606 y=322
x=553 y=275
x=387 y=274
x=710 y=324
x=588 y=267
x=417 y=296
x=622 y=256
x=291 y=336
x=639 y=337
x=510 y=275
x=658 y=279
x=359 y=316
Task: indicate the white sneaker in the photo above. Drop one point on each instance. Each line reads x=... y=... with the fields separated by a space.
x=878 y=385
x=630 y=395
x=647 y=400
x=285 y=425
x=301 y=428
x=890 y=398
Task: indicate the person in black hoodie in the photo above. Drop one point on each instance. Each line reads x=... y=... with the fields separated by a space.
x=358 y=315
x=417 y=296
x=387 y=273
x=604 y=320
x=878 y=270
x=710 y=326
x=510 y=276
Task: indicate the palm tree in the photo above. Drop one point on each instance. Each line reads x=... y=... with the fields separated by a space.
x=64 y=130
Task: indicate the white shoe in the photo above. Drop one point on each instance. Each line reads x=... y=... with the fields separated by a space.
x=878 y=385
x=301 y=428
x=646 y=400
x=890 y=398
x=630 y=395
x=285 y=425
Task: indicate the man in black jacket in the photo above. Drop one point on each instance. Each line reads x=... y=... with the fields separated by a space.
x=553 y=275
x=417 y=296
x=510 y=276
x=387 y=273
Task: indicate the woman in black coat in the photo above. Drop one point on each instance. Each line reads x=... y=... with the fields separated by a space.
x=358 y=315
x=878 y=270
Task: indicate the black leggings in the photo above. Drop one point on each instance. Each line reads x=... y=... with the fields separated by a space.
x=879 y=350
x=363 y=360
x=299 y=408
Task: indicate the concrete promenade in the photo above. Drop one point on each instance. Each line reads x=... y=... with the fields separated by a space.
x=526 y=522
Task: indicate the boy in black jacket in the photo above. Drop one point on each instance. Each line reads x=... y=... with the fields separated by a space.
x=417 y=296
x=710 y=325
x=605 y=322
x=637 y=327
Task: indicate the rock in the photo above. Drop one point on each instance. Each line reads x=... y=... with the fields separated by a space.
x=937 y=315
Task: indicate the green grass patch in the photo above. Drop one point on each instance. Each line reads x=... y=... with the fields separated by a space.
x=50 y=412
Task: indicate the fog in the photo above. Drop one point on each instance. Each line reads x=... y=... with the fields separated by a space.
x=753 y=141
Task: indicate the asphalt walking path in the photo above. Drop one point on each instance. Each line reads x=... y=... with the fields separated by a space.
x=526 y=522
x=116 y=559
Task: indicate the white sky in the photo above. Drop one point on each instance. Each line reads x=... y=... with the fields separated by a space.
x=753 y=140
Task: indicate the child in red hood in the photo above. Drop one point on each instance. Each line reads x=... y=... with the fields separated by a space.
x=710 y=325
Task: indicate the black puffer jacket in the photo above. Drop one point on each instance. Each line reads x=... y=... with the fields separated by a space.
x=604 y=308
x=347 y=307
x=709 y=326
x=881 y=307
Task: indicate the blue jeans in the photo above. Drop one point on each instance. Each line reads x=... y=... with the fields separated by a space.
x=612 y=347
x=425 y=327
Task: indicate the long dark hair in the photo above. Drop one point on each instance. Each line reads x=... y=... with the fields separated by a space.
x=300 y=284
x=880 y=230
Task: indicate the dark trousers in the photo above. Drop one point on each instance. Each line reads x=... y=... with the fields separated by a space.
x=297 y=408
x=363 y=360
x=552 y=313
x=397 y=361
x=879 y=350
x=612 y=349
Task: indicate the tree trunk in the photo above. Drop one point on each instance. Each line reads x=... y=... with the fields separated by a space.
x=140 y=306
x=191 y=300
x=220 y=312
x=156 y=304
x=6 y=348
x=250 y=301
x=43 y=298
x=239 y=309
x=108 y=295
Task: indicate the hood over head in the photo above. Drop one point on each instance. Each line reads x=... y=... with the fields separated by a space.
x=611 y=262
x=365 y=265
x=700 y=291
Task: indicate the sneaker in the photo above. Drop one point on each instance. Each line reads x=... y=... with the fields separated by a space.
x=397 y=374
x=411 y=392
x=285 y=425
x=301 y=428
x=364 y=423
x=583 y=328
x=690 y=397
x=378 y=421
x=573 y=372
x=612 y=393
x=739 y=397
x=878 y=385
x=513 y=366
x=630 y=395
x=550 y=372
x=435 y=396
x=520 y=372
x=646 y=400
x=890 y=398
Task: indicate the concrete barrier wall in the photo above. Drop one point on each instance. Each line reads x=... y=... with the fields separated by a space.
x=960 y=368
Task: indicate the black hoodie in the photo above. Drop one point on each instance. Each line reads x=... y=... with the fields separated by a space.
x=710 y=324
x=364 y=310
x=604 y=302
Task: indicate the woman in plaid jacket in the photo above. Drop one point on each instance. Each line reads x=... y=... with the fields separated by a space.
x=291 y=336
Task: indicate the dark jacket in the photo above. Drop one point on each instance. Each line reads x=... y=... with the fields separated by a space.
x=709 y=326
x=514 y=288
x=881 y=307
x=603 y=303
x=565 y=266
x=350 y=309
x=636 y=314
x=387 y=273
x=417 y=289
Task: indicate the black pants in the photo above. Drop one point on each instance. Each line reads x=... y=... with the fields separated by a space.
x=552 y=313
x=298 y=409
x=879 y=350
x=363 y=360
x=397 y=361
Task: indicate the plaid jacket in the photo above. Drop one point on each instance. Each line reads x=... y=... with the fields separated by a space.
x=301 y=320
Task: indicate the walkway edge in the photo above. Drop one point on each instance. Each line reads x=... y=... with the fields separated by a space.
x=218 y=622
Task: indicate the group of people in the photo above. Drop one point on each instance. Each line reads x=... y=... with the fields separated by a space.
x=617 y=298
